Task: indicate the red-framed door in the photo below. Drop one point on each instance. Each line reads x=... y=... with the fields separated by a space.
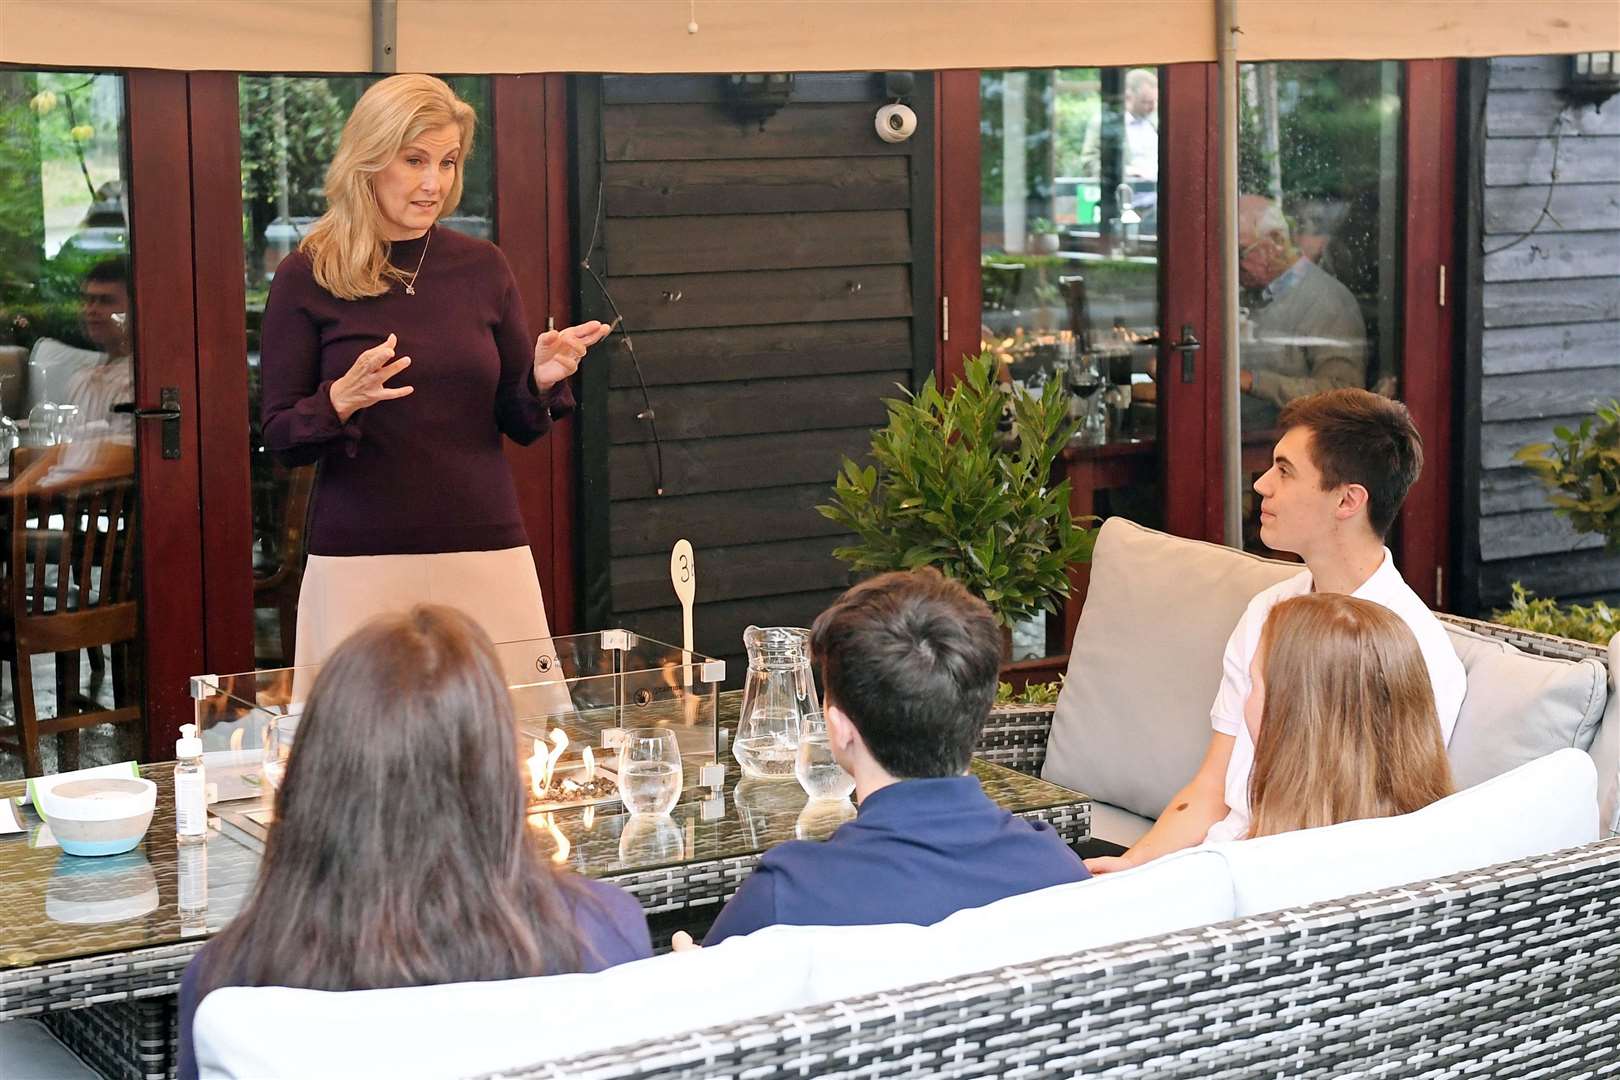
x=162 y=245
x=1191 y=236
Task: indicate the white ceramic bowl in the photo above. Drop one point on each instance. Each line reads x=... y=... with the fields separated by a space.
x=100 y=815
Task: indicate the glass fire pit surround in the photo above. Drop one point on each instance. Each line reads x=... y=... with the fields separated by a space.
x=573 y=697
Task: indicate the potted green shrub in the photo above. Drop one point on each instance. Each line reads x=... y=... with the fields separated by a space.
x=950 y=489
x=1581 y=469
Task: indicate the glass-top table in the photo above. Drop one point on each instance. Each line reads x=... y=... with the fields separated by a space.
x=76 y=932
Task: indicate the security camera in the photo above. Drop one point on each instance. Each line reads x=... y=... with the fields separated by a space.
x=895 y=123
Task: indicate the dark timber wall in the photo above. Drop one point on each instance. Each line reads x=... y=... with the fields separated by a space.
x=777 y=284
x=1544 y=326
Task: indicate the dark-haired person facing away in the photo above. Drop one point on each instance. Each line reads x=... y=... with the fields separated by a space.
x=1338 y=476
x=401 y=854
x=908 y=665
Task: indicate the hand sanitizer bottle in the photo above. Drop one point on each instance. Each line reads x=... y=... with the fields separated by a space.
x=190 y=799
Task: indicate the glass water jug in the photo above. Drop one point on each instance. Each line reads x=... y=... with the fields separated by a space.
x=777 y=696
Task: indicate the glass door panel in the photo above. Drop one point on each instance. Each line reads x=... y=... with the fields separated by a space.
x=69 y=604
x=1319 y=242
x=1070 y=275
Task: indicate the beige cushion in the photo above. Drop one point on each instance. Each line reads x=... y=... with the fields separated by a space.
x=1117 y=826
x=1606 y=750
x=1132 y=721
x=1520 y=707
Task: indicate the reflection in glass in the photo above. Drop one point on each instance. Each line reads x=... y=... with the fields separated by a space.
x=86 y=892
x=1069 y=266
x=66 y=359
x=1318 y=241
x=290 y=128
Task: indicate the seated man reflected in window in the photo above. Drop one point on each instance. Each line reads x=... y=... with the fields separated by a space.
x=1304 y=333
x=92 y=379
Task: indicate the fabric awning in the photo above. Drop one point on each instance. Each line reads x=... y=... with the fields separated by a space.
x=515 y=36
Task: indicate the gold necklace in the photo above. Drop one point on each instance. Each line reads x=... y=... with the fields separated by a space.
x=410 y=286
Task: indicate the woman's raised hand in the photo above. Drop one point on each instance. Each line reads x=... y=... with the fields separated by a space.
x=362 y=385
x=557 y=353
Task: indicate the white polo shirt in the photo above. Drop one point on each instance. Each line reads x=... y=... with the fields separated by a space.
x=1386 y=587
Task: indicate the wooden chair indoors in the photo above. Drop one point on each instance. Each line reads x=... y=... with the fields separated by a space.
x=69 y=584
x=279 y=587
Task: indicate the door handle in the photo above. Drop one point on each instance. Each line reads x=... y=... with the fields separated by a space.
x=168 y=411
x=1187 y=346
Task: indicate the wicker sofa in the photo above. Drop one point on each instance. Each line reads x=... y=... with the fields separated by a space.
x=1342 y=960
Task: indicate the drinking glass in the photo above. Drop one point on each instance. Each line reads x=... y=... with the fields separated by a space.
x=819 y=773
x=41 y=424
x=65 y=424
x=649 y=771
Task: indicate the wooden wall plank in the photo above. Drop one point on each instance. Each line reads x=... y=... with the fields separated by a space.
x=1539 y=394
x=1555 y=255
x=1572 y=576
x=779 y=350
x=737 y=464
x=651 y=188
x=807 y=87
x=1588 y=160
x=645 y=526
x=721 y=242
x=1501 y=440
x=685 y=132
x=1522 y=349
x=1511 y=491
x=1530 y=303
x=1528 y=112
x=754 y=407
x=1528 y=72
x=641 y=582
x=756 y=298
x=1574 y=208
x=718 y=627
x=1534 y=532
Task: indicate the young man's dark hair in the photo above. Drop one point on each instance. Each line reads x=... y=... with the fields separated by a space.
x=912 y=658
x=1358 y=437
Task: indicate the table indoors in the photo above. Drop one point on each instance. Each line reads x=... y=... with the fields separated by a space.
x=96 y=946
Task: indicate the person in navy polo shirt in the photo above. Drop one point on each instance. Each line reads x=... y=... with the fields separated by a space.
x=908 y=665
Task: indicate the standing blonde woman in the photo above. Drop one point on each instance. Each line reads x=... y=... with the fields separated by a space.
x=396 y=353
x=1343 y=717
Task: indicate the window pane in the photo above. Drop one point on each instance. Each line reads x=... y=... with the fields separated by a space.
x=1069 y=172
x=68 y=534
x=290 y=130
x=1318 y=240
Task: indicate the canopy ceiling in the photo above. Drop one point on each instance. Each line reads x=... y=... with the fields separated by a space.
x=475 y=36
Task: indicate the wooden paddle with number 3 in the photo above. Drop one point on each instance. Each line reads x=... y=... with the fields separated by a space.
x=683 y=575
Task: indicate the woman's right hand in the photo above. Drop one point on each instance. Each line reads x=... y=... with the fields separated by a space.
x=362 y=385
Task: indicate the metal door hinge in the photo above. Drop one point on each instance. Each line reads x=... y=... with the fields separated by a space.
x=1442 y=284
x=1439 y=588
x=944 y=318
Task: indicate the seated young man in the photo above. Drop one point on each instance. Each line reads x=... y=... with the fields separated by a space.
x=1338 y=476
x=908 y=665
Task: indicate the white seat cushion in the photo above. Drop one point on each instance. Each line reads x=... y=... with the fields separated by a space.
x=467 y=1029
x=1188 y=888
x=1548 y=805
x=1520 y=707
x=1117 y=826
x=28 y=1051
x=1132 y=721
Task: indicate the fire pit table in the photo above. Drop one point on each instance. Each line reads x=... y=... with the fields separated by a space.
x=96 y=947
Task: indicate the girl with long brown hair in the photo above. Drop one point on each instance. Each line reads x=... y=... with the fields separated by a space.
x=1342 y=713
x=401 y=853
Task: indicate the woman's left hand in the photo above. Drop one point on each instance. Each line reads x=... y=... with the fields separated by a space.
x=557 y=353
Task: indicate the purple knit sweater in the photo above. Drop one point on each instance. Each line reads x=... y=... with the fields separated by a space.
x=422 y=473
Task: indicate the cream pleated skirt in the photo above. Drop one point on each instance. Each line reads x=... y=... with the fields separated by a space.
x=499 y=589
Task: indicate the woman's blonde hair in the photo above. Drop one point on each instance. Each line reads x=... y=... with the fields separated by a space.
x=1349 y=728
x=347 y=246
